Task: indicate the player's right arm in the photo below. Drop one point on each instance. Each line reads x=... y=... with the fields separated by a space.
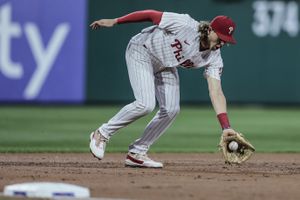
x=139 y=16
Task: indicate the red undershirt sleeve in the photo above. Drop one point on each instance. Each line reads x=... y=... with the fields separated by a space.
x=141 y=16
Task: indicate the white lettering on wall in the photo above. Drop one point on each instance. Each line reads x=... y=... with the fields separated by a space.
x=44 y=56
x=8 y=30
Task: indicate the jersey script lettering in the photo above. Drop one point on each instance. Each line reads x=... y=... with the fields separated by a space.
x=177 y=46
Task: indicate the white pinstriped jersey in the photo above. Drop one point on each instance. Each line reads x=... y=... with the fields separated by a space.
x=175 y=42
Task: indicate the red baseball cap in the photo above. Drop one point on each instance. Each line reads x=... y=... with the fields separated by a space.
x=224 y=28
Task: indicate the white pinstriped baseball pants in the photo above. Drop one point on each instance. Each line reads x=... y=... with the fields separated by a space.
x=148 y=85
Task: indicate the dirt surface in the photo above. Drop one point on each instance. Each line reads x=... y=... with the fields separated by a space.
x=185 y=176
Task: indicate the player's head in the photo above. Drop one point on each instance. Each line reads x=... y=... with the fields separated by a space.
x=215 y=34
x=222 y=31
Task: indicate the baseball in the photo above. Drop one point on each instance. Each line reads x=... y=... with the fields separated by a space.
x=233 y=146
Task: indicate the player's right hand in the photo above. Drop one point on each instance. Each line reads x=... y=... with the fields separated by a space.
x=103 y=22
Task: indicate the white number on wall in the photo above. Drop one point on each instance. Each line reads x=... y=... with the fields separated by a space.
x=274 y=17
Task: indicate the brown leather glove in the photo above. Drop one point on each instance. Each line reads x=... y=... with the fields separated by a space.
x=244 y=151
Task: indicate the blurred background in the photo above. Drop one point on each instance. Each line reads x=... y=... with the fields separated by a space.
x=50 y=59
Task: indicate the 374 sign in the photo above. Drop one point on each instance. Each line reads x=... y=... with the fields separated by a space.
x=274 y=17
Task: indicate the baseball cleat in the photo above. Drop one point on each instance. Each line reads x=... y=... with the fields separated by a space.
x=97 y=144
x=140 y=160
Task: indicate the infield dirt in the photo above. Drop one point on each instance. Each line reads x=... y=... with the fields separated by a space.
x=185 y=176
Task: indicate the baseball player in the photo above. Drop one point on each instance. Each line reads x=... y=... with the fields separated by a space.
x=152 y=58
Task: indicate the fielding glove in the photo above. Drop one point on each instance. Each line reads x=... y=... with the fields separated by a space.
x=241 y=154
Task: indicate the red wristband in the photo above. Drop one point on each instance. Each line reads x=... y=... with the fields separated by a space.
x=223 y=119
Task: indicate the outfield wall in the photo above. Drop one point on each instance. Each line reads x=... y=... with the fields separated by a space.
x=49 y=54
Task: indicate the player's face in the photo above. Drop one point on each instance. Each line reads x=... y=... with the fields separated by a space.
x=214 y=41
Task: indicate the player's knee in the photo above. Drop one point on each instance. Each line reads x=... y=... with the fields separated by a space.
x=171 y=111
x=145 y=108
x=149 y=108
x=174 y=111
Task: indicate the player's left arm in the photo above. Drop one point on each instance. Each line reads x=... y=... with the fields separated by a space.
x=139 y=16
x=219 y=103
